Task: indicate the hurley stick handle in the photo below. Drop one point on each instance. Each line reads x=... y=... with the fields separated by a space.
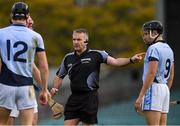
x=51 y=102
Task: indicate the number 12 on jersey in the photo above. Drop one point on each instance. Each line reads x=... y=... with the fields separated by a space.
x=17 y=54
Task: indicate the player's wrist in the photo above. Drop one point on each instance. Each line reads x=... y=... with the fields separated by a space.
x=44 y=90
x=54 y=91
x=130 y=60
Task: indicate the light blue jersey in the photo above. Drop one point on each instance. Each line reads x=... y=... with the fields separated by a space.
x=162 y=53
x=18 y=45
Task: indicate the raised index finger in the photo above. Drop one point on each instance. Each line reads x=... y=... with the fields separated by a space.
x=141 y=54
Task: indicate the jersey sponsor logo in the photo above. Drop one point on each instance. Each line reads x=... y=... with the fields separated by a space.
x=86 y=60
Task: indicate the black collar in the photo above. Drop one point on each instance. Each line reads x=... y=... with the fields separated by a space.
x=163 y=41
x=18 y=24
x=82 y=54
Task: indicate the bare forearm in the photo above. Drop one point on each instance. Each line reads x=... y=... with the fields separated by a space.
x=119 y=61
x=43 y=68
x=170 y=81
x=44 y=77
x=0 y=65
x=36 y=75
x=169 y=84
x=147 y=83
x=37 y=78
x=123 y=61
x=57 y=82
x=171 y=78
x=152 y=69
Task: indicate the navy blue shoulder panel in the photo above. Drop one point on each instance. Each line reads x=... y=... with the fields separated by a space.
x=7 y=77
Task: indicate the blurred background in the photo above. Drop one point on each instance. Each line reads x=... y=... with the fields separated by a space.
x=114 y=26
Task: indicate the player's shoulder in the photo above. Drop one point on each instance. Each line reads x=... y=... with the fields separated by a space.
x=154 y=46
x=1 y=30
x=34 y=32
x=97 y=51
x=4 y=29
x=160 y=43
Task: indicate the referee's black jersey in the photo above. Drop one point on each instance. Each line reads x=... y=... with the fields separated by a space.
x=83 y=70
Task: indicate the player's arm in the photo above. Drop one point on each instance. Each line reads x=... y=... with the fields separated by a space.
x=0 y=65
x=36 y=74
x=44 y=72
x=171 y=77
x=124 y=61
x=43 y=68
x=0 y=62
x=152 y=69
x=153 y=66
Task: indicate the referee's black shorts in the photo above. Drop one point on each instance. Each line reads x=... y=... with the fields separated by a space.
x=83 y=106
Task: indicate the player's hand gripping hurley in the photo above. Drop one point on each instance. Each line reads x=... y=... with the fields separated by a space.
x=57 y=109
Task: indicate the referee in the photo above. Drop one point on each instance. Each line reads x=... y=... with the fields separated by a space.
x=83 y=68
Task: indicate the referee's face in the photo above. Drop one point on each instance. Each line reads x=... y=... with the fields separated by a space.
x=30 y=22
x=79 y=42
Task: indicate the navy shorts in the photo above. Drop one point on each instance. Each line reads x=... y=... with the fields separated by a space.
x=83 y=106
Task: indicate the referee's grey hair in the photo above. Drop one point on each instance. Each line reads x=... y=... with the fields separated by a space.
x=82 y=30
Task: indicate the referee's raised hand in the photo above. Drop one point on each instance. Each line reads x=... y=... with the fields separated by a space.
x=137 y=57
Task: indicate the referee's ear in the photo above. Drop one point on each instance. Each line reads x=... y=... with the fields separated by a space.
x=86 y=42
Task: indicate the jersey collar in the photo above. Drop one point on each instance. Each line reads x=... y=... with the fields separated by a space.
x=163 y=41
x=18 y=25
x=82 y=53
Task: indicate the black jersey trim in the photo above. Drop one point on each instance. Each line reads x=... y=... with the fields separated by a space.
x=39 y=49
x=16 y=24
x=153 y=59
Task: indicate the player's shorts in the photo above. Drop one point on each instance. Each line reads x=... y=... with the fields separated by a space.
x=157 y=98
x=21 y=97
x=15 y=112
x=82 y=106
